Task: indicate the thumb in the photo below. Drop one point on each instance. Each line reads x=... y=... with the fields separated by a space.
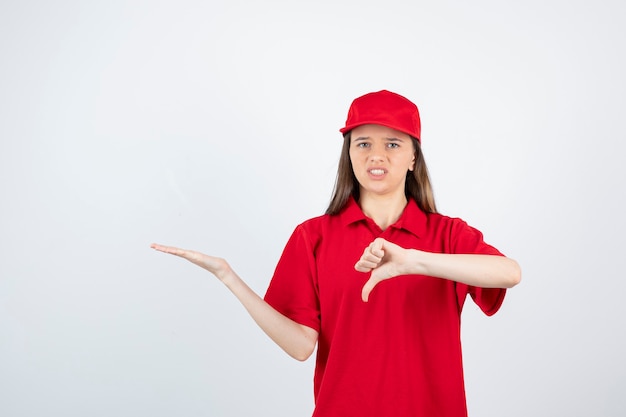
x=376 y=248
x=369 y=286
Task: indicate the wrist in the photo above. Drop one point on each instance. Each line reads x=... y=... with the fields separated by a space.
x=415 y=262
x=229 y=278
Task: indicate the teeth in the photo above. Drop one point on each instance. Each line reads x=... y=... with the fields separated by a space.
x=377 y=171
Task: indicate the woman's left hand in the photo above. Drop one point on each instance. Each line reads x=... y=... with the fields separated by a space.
x=384 y=260
x=387 y=260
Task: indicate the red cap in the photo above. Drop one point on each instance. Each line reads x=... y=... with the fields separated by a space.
x=387 y=109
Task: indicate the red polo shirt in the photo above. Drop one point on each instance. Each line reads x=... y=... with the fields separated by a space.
x=400 y=353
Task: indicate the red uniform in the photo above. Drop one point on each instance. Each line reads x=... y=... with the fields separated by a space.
x=399 y=354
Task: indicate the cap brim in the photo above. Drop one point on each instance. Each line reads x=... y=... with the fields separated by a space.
x=348 y=128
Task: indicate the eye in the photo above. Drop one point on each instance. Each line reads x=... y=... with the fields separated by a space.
x=393 y=145
x=362 y=145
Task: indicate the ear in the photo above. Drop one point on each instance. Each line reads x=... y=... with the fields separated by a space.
x=412 y=166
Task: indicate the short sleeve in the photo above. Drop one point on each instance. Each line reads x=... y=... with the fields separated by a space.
x=468 y=240
x=293 y=288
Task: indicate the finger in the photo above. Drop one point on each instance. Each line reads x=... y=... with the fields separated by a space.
x=160 y=248
x=372 y=255
x=368 y=287
x=365 y=266
x=370 y=260
x=168 y=249
x=376 y=247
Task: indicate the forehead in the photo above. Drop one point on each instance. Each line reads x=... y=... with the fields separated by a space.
x=377 y=131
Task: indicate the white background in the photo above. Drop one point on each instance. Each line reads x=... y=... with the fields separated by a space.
x=213 y=125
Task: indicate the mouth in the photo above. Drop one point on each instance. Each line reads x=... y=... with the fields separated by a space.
x=377 y=171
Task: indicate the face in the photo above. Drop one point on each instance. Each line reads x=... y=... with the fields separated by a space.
x=381 y=158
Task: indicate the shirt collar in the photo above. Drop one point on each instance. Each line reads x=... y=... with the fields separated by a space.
x=351 y=212
x=412 y=219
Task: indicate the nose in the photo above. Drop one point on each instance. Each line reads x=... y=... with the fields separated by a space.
x=377 y=153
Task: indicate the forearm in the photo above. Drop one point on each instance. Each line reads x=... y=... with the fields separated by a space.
x=295 y=339
x=487 y=271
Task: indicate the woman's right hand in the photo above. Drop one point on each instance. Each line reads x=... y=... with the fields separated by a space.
x=217 y=266
x=296 y=339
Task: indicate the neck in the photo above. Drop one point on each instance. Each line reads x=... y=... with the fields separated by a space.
x=384 y=210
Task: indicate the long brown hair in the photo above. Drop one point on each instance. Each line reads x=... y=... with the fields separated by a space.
x=417 y=185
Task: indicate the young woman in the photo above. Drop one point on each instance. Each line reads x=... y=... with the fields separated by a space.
x=379 y=281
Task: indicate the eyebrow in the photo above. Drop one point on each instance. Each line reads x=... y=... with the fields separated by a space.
x=391 y=138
